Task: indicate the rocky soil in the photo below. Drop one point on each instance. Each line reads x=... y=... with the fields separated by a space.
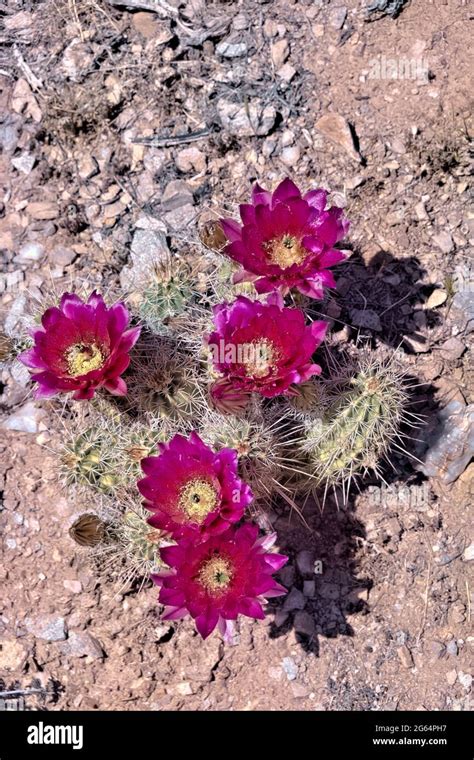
x=121 y=121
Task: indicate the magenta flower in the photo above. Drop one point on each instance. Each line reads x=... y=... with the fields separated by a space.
x=189 y=487
x=81 y=347
x=264 y=347
x=287 y=240
x=219 y=579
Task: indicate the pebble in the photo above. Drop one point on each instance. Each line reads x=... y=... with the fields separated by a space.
x=24 y=162
x=286 y=72
x=462 y=310
x=287 y=575
x=437 y=298
x=75 y=587
x=468 y=554
x=444 y=241
x=42 y=210
x=465 y=679
x=452 y=349
x=82 y=644
x=337 y=16
x=184 y=689
x=279 y=51
x=305 y=562
x=62 y=257
x=366 y=318
x=291 y=155
x=290 y=667
x=309 y=589
x=304 y=623
x=191 y=159
x=26 y=419
x=416 y=343
x=231 y=49
x=451 y=677
x=337 y=129
x=12 y=655
x=49 y=627
x=452 y=648
x=29 y=252
x=294 y=601
x=452 y=443
x=257 y=118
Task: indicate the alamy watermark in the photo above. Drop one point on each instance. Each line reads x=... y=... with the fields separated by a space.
x=399 y=68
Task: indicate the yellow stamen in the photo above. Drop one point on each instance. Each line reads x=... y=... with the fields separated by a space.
x=197 y=499
x=216 y=575
x=83 y=358
x=259 y=357
x=285 y=251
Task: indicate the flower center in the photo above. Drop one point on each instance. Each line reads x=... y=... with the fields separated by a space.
x=285 y=251
x=215 y=575
x=259 y=357
x=197 y=499
x=83 y=358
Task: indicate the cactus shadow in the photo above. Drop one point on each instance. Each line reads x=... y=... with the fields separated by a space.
x=322 y=577
x=384 y=299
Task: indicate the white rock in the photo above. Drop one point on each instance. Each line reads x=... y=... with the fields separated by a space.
x=26 y=419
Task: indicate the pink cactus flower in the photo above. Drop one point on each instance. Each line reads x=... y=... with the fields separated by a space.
x=217 y=580
x=81 y=347
x=287 y=240
x=264 y=347
x=189 y=487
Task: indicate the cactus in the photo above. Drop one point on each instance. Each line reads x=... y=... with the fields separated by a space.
x=130 y=547
x=163 y=384
x=171 y=290
x=354 y=424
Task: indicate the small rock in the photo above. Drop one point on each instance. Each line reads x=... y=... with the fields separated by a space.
x=452 y=349
x=62 y=257
x=305 y=562
x=300 y=691
x=88 y=167
x=191 y=159
x=24 y=163
x=75 y=587
x=337 y=16
x=184 y=689
x=76 y=60
x=287 y=575
x=329 y=591
x=150 y=27
x=354 y=182
x=231 y=48
x=437 y=650
x=451 y=677
x=452 y=648
x=26 y=419
x=366 y=318
x=294 y=601
x=465 y=679
x=444 y=241
x=49 y=627
x=416 y=343
x=176 y=194
x=405 y=656
x=275 y=673
x=452 y=446
x=291 y=155
x=30 y=252
x=290 y=667
x=437 y=298
x=279 y=52
x=280 y=618
x=337 y=129
x=286 y=72
x=304 y=623
x=82 y=644
x=309 y=589
x=468 y=554
x=420 y=211
x=12 y=655
x=42 y=210
x=462 y=310
x=257 y=118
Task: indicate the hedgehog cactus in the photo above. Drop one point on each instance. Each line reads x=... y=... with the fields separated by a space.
x=354 y=425
x=169 y=294
x=91 y=459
